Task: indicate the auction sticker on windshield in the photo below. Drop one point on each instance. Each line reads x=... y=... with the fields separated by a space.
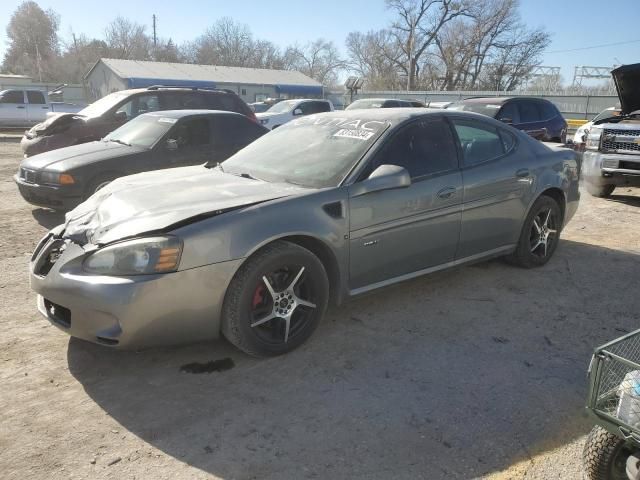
x=353 y=133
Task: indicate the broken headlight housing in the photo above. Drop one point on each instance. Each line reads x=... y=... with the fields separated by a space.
x=141 y=256
x=593 y=138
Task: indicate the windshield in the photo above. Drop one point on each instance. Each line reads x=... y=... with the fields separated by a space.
x=488 y=109
x=359 y=104
x=143 y=131
x=317 y=151
x=98 y=107
x=608 y=113
x=282 y=107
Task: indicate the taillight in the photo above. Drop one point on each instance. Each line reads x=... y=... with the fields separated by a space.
x=252 y=116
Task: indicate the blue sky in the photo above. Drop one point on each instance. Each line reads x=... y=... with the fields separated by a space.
x=572 y=23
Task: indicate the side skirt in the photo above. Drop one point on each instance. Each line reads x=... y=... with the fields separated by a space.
x=497 y=252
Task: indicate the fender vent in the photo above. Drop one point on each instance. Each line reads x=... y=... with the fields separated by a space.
x=333 y=209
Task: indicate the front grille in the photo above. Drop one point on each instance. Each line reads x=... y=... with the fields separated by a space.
x=617 y=140
x=630 y=165
x=27 y=175
x=49 y=256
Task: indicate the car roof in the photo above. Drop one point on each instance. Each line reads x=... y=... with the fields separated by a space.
x=499 y=100
x=189 y=113
x=395 y=116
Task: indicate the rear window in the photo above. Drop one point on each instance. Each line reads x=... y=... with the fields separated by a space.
x=229 y=103
x=488 y=109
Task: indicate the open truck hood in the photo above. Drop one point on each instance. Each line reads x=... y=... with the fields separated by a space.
x=153 y=201
x=627 y=80
x=54 y=120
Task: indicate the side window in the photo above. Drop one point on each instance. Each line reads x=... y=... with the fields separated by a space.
x=478 y=142
x=222 y=101
x=307 y=108
x=508 y=140
x=390 y=104
x=320 y=107
x=35 y=98
x=139 y=105
x=192 y=132
x=510 y=111
x=12 y=96
x=234 y=130
x=423 y=148
x=547 y=110
x=528 y=111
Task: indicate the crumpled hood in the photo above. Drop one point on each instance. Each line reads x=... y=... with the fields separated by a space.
x=627 y=80
x=54 y=119
x=156 y=200
x=65 y=159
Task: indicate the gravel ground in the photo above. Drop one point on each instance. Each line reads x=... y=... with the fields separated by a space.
x=476 y=372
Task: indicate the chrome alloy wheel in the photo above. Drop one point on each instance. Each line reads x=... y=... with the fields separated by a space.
x=544 y=231
x=279 y=308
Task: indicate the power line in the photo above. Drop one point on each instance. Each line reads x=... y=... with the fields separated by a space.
x=594 y=46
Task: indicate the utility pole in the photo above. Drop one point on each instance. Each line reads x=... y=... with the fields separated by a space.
x=155 y=38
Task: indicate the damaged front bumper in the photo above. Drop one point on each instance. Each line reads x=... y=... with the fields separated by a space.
x=127 y=312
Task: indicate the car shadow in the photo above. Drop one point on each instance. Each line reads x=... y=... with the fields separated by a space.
x=454 y=375
x=631 y=200
x=47 y=218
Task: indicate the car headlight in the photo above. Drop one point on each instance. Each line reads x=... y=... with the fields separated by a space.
x=593 y=138
x=142 y=256
x=56 y=178
x=264 y=121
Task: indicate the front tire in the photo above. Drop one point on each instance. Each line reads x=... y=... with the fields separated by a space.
x=276 y=300
x=540 y=234
x=605 y=456
x=600 y=191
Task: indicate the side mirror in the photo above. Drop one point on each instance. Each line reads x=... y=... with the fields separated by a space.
x=297 y=111
x=172 y=144
x=385 y=177
x=120 y=116
x=507 y=120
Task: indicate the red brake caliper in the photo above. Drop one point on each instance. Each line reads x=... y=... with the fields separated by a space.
x=258 y=296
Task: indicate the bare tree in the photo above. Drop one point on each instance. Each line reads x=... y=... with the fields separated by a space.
x=370 y=56
x=33 y=47
x=319 y=60
x=416 y=27
x=128 y=40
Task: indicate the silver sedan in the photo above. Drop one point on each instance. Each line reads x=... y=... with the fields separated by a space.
x=324 y=208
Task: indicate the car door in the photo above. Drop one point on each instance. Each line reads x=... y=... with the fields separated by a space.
x=189 y=142
x=398 y=232
x=530 y=121
x=37 y=107
x=497 y=187
x=13 y=111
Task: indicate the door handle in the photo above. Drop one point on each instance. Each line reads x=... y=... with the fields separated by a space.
x=446 y=192
x=20 y=106
x=45 y=108
x=522 y=173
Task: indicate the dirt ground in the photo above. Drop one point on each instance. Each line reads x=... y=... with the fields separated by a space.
x=476 y=372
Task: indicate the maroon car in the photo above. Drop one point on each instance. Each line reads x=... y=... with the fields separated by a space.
x=110 y=112
x=535 y=116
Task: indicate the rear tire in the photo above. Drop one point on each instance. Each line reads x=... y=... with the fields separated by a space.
x=273 y=317
x=600 y=191
x=605 y=456
x=540 y=234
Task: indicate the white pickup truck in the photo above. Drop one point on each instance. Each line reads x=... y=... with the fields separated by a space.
x=25 y=107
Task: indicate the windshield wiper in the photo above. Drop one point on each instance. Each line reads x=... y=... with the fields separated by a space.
x=119 y=141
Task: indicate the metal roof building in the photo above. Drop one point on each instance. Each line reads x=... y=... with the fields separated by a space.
x=252 y=84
